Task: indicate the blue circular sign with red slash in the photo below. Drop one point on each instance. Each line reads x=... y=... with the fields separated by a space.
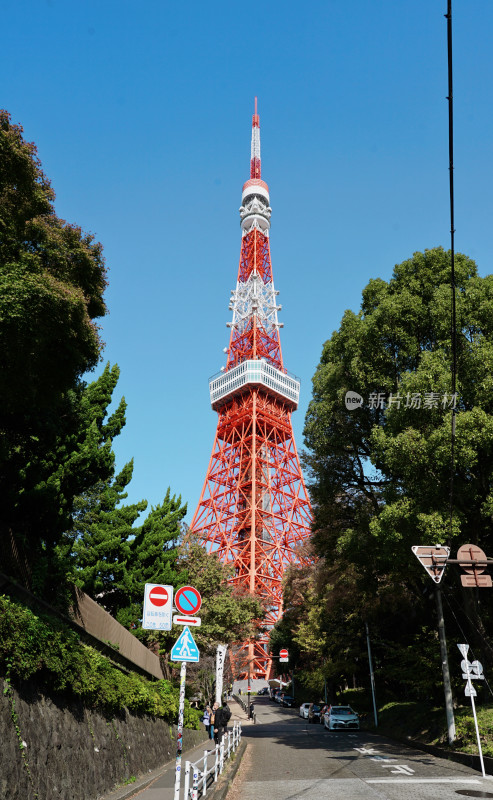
x=188 y=600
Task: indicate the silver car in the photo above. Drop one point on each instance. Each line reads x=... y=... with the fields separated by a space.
x=341 y=718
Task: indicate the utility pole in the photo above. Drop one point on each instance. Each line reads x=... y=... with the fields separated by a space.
x=372 y=676
x=447 y=687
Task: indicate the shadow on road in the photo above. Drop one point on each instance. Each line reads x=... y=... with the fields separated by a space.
x=285 y=726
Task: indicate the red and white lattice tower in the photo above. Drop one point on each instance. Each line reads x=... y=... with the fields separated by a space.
x=254 y=510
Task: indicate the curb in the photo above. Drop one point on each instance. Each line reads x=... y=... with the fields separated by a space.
x=467 y=759
x=130 y=790
x=228 y=776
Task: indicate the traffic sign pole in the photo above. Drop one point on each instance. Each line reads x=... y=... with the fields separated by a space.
x=179 y=738
x=469 y=685
x=447 y=686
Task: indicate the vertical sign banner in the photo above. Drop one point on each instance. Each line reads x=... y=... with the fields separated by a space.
x=220 y=659
x=158 y=607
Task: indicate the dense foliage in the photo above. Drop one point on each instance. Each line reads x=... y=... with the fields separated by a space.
x=52 y=278
x=43 y=648
x=379 y=475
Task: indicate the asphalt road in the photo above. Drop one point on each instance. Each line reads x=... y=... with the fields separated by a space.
x=288 y=758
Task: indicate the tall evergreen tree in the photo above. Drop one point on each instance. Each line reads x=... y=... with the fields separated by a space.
x=100 y=540
x=153 y=557
x=52 y=279
x=380 y=473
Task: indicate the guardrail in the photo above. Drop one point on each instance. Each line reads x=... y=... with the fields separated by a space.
x=244 y=706
x=200 y=775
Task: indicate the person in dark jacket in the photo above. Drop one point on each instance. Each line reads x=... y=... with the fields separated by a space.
x=221 y=719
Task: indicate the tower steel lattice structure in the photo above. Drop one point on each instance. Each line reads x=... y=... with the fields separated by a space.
x=254 y=510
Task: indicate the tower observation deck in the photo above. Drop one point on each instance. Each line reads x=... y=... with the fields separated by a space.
x=254 y=510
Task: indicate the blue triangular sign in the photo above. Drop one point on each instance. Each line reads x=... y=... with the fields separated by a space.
x=185 y=648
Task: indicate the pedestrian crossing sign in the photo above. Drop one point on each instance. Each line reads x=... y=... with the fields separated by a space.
x=185 y=648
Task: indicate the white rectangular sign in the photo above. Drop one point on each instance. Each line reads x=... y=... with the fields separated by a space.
x=158 y=607
x=184 y=620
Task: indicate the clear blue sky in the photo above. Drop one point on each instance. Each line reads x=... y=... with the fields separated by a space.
x=142 y=114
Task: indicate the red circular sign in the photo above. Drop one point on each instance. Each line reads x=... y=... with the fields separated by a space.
x=158 y=596
x=468 y=553
x=188 y=600
x=283 y=653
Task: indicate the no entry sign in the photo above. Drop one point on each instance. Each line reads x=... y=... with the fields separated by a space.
x=159 y=596
x=158 y=607
x=188 y=600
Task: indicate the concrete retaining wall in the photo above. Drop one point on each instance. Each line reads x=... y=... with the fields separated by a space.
x=75 y=753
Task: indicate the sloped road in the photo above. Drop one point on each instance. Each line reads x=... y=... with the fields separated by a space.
x=287 y=758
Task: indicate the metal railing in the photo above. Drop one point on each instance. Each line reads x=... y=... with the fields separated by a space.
x=244 y=706
x=201 y=774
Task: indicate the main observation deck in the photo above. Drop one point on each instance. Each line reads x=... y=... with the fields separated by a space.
x=254 y=372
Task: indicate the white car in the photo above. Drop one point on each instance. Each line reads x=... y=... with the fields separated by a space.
x=341 y=718
x=305 y=711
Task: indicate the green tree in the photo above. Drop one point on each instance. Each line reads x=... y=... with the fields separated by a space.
x=228 y=615
x=52 y=279
x=379 y=474
x=99 y=541
x=153 y=558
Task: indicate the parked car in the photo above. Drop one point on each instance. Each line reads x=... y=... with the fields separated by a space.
x=288 y=701
x=264 y=690
x=341 y=718
x=310 y=711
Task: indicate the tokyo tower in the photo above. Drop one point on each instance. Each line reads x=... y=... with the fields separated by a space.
x=254 y=509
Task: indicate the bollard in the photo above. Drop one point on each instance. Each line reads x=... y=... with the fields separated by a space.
x=187 y=780
x=195 y=783
x=221 y=755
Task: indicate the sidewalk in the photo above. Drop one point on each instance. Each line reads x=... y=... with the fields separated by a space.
x=160 y=784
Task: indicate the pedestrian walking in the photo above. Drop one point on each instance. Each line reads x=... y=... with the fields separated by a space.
x=214 y=710
x=221 y=719
x=206 y=719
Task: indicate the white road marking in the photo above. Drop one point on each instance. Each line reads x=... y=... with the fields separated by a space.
x=422 y=780
x=399 y=768
x=382 y=758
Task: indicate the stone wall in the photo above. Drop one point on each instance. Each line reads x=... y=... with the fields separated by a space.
x=75 y=753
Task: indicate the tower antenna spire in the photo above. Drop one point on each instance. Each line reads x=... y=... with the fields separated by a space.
x=255 y=170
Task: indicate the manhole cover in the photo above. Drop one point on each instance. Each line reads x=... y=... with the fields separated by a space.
x=473 y=793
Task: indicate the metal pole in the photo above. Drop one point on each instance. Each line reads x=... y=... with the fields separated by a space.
x=470 y=688
x=179 y=738
x=372 y=676
x=204 y=781
x=447 y=688
x=477 y=736
x=250 y=647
